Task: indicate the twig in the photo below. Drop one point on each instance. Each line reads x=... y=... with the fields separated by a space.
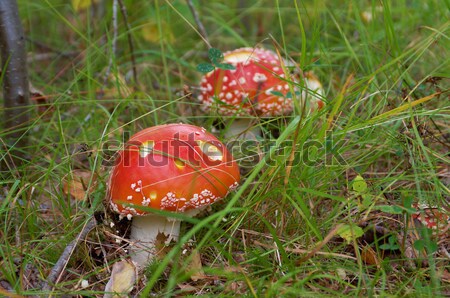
x=50 y=49
x=304 y=251
x=123 y=9
x=8 y=291
x=199 y=23
x=321 y=244
x=114 y=42
x=55 y=273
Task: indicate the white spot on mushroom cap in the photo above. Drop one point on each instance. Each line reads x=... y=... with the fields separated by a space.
x=211 y=151
x=145 y=149
x=146 y=201
x=259 y=78
x=269 y=91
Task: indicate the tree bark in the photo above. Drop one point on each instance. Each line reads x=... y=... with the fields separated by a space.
x=15 y=81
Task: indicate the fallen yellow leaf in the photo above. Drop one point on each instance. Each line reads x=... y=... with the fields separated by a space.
x=121 y=282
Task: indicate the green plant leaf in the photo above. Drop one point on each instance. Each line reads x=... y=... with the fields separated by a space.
x=205 y=67
x=390 y=209
x=385 y=246
x=277 y=93
x=359 y=184
x=350 y=232
x=215 y=55
x=407 y=203
x=432 y=247
x=419 y=244
x=289 y=94
x=367 y=200
x=225 y=66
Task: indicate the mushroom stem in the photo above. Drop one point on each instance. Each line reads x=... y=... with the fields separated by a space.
x=144 y=233
x=243 y=129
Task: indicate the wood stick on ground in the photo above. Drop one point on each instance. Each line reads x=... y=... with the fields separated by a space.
x=55 y=273
x=7 y=290
x=321 y=244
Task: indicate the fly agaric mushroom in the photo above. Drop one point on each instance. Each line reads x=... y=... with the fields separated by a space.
x=256 y=87
x=172 y=167
x=435 y=218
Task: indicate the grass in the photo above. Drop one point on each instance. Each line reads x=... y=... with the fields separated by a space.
x=386 y=120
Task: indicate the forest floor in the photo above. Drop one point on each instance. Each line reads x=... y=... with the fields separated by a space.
x=333 y=202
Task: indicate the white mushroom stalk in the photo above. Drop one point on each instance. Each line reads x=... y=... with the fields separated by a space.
x=150 y=232
x=243 y=128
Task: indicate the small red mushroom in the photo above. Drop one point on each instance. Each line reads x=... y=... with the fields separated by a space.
x=435 y=218
x=173 y=167
x=253 y=88
x=256 y=87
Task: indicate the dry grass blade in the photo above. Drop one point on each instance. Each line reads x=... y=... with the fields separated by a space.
x=306 y=251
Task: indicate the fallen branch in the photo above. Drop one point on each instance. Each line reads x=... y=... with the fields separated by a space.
x=55 y=273
x=8 y=291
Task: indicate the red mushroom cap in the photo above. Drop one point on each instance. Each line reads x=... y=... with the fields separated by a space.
x=174 y=167
x=432 y=217
x=247 y=90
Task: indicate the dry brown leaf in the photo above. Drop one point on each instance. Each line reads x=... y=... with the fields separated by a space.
x=369 y=256
x=162 y=246
x=195 y=267
x=187 y=288
x=445 y=276
x=76 y=183
x=122 y=280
